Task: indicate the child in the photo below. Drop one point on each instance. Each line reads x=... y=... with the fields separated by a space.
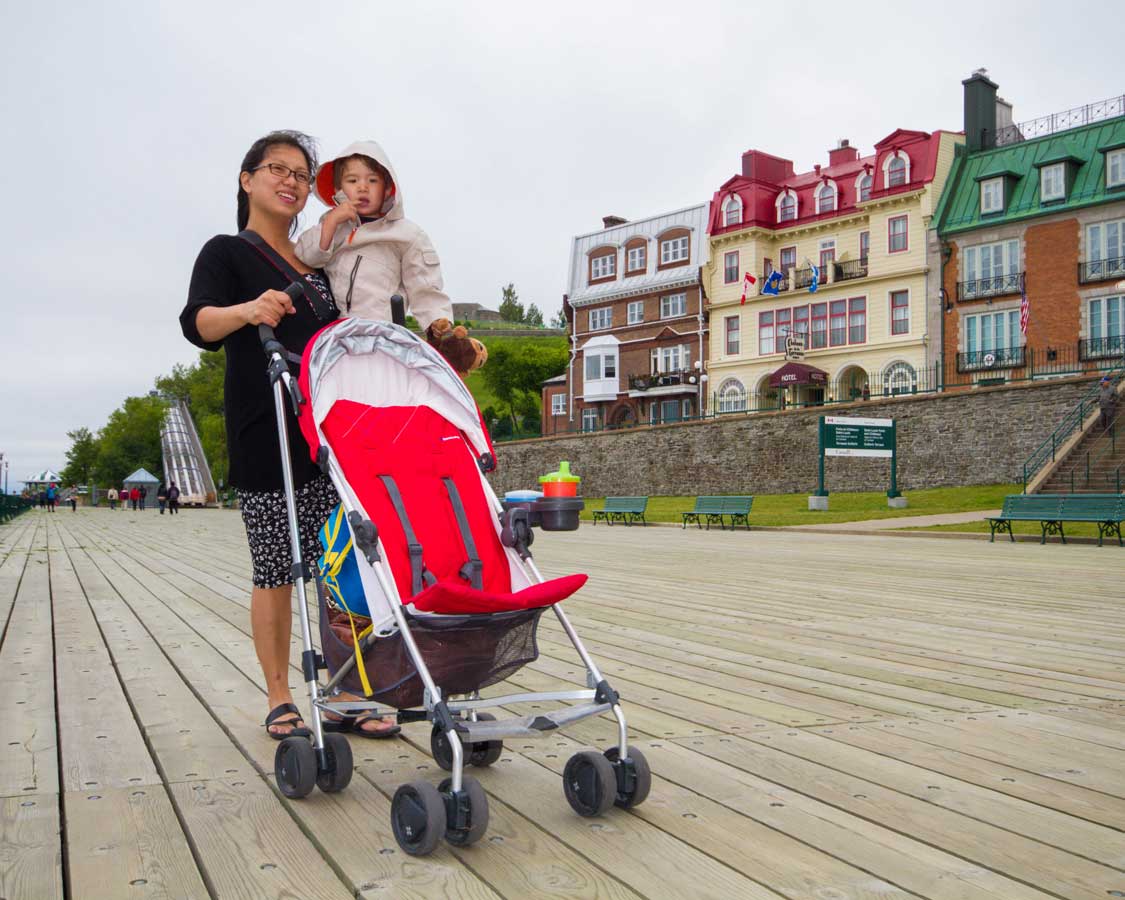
x=371 y=251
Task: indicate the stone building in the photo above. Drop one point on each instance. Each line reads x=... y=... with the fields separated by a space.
x=1033 y=210
x=637 y=325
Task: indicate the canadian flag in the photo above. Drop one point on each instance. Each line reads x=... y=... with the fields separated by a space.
x=747 y=281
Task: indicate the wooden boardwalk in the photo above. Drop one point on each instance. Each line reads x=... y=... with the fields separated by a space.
x=827 y=716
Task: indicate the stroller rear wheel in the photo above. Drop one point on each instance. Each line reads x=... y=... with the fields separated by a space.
x=481 y=754
x=294 y=767
x=589 y=783
x=418 y=818
x=637 y=783
x=339 y=772
x=477 y=812
x=485 y=753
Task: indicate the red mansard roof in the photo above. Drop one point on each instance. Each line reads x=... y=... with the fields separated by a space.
x=765 y=176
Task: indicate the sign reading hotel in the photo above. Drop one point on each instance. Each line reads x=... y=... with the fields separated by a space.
x=858 y=437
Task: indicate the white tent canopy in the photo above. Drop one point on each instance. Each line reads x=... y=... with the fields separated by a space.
x=142 y=476
x=44 y=477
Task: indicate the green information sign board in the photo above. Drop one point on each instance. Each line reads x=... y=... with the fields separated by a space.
x=847 y=436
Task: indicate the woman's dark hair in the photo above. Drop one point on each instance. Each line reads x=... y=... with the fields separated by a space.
x=257 y=152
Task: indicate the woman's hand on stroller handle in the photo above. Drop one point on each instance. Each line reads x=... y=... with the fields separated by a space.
x=270 y=307
x=265 y=326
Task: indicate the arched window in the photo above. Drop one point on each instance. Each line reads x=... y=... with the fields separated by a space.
x=900 y=378
x=732 y=396
x=732 y=210
x=786 y=206
x=896 y=169
x=863 y=186
x=826 y=198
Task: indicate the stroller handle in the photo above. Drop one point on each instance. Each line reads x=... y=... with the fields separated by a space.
x=398 y=310
x=269 y=340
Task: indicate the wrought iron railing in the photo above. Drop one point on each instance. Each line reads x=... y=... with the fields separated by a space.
x=1061 y=121
x=850 y=268
x=1101 y=269
x=662 y=379
x=995 y=286
x=1102 y=348
x=802 y=278
x=983 y=360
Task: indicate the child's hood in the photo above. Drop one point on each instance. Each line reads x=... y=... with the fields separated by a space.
x=325 y=177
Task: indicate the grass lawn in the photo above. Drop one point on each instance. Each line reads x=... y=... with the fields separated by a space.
x=1072 y=529
x=792 y=509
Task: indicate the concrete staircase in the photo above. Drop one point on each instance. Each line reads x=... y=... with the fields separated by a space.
x=1095 y=465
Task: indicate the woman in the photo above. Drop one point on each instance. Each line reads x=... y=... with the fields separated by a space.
x=235 y=287
x=161 y=496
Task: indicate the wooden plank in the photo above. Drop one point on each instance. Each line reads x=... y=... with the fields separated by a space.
x=120 y=840
x=11 y=571
x=30 y=848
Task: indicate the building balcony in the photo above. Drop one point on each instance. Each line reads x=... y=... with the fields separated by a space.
x=987 y=360
x=802 y=278
x=1101 y=270
x=782 y=286
x=682 y=378
x=1102 y=348
x=983 y=288
x=849 y=269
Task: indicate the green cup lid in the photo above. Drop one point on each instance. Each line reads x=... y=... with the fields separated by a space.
x=563 y=474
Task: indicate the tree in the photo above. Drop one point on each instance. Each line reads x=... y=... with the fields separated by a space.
x=130 y=439
x=511 y=310
x=533 y=317
x=515 y=373
x=559 y=321
x=81 y=458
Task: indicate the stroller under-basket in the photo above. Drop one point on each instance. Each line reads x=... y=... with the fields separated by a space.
x=451 y=589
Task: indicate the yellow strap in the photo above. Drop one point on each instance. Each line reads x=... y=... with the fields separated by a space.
x=359 y=657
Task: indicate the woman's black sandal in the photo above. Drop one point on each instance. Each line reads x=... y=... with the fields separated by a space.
x=295 y=730
x=353 y=724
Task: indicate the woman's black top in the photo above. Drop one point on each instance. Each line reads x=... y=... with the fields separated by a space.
x=227 y=272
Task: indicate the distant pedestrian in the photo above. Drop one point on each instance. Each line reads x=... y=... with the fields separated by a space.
x=144 y=494
x=1107 y=402
x=52 y=498
x=866 y=391
x=74 y=499
x=161 y=496
x=124 y=498
x=134 y=497
x=42 y=499
x=173 y=499
x=111 y=496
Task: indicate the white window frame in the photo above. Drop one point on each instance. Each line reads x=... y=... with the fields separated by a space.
x=1099 y=247
x=830 y=186
x=670 y=358
x=863 y=176
x=673 y=306
x=637 y=260
x=779 y=203
x=602 y=361
x=601 y=314
x=1115 y=159
x=558 y=404
x=737 y=266
x=635 y=312
x=1052 y=182
x=604 y=266
x=900 y=378
x=891 y=157
x=1105 y=320
x=732 y=210
x=731 y=396
x=992 y=196
x=973 y=257
x=674 y=250
x=736 y=333
x=590 y=418
x=978 y=341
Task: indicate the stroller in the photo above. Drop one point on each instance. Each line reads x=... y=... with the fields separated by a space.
x=451 y=589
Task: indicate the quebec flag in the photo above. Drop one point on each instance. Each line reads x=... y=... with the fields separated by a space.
x=772 y=282
x=815 y=283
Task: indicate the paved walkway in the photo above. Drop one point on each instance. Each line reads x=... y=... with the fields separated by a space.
x=900 y=522
x=826 y=716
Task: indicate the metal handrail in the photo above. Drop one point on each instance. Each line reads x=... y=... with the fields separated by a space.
x=1071 y=422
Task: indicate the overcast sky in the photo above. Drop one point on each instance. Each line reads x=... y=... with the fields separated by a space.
x=513 y=126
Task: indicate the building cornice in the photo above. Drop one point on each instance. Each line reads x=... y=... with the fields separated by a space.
x=623 y=294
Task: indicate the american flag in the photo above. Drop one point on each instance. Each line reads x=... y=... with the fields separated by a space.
x=746 y=283
x=1025 y=305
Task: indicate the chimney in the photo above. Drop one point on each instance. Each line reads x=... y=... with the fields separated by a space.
x=980 y=111
x=764 y=167
x=612 y=221
x=844 y=153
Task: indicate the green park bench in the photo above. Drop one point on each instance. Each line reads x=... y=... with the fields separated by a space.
x=622 y=509
x=713 y=509
x=1107 y=511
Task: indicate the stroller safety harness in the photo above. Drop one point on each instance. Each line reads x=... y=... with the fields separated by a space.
x=453 y=595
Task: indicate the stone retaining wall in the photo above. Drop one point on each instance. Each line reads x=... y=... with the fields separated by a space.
x=969 y=437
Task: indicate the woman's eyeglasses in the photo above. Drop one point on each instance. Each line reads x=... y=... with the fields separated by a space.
x=283 y=172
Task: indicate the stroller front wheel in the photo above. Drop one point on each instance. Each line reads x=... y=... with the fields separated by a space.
x=418 y=818
x=476 y=812
x=339 y=772
x=590 y=784
x=294 y=767
x=634 y=778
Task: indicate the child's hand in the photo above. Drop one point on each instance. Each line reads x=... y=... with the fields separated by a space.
x=341 y=214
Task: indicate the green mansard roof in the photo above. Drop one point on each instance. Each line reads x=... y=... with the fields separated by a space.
x=1083 y=148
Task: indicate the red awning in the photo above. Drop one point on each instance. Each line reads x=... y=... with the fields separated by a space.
x=797 y=373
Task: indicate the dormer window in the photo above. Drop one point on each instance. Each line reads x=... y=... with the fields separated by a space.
x=1115 y=168
x=636 y=256
x=896 y=169
x=826 y=198
x=1052 y=182
x=863 y=186
x=732 y=210
x=603 y=267
x=786 y=206
x=992 y=196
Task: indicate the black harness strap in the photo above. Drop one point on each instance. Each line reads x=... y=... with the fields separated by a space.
x=471 y=571
x=419 y=574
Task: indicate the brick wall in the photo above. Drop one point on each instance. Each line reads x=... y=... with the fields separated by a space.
x=1051 y=253
x=966 y=437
